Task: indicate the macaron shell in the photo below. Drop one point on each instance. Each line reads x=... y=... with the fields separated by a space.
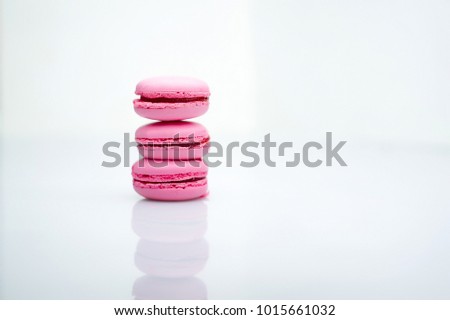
x=172 y=87
x=164 y=111
x=184 y=131
x=165 y=169
x=174 y=153
x=172 y=192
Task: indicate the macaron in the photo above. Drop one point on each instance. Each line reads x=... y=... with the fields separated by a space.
x=174 y=140
x=170 y=180
x=171 y=98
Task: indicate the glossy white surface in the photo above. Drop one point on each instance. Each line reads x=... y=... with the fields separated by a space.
x=375 y=74
x=379 y=228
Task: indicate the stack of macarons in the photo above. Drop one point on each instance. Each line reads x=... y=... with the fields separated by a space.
x=171 y=167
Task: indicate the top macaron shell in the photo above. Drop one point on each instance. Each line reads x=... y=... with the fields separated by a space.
x=171 y=98
x=167 y=131
x=172 y=87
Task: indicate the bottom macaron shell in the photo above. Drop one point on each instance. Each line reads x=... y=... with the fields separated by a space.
x=171 y=194
x=170 y=112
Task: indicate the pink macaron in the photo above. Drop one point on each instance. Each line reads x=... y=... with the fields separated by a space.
x=174 y=140
x=170 y=180
x=171 y=98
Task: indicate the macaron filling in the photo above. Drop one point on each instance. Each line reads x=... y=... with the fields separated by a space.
x=167 y=143
x=176 y=181
x=172 y=100
x=163 y=178
x=177 y=184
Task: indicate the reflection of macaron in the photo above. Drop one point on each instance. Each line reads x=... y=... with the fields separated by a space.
x=152 y=288
x=170 y=180
x=171 y=260
x=175 y=140
x=171 y=98
x=169 y=222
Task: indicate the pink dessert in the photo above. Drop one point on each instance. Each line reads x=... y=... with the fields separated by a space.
x=174 y=140
x=170 y=180
x=171 y=98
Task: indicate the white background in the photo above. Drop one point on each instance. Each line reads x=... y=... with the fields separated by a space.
x=376 y=74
